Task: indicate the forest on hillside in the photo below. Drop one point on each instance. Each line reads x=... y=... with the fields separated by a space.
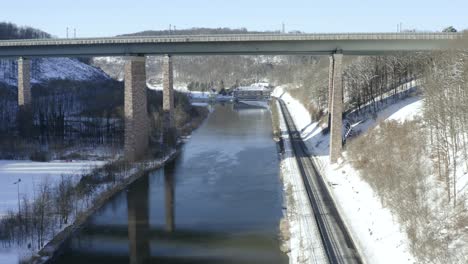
x=12 y=31
x=197 y=31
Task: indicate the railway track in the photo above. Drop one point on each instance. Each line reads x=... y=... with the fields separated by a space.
x=338 y=244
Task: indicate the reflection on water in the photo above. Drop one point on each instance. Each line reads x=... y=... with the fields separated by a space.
x=138 y=224
x=218 y=202
x=169 y=191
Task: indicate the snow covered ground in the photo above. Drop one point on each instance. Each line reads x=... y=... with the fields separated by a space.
x=33 y=174
x=377 y=233
x=305 y=243
x=44 y=69
x=182 y=87
x=198 y=95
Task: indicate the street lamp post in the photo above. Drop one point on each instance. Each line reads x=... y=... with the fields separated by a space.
x=17 y=184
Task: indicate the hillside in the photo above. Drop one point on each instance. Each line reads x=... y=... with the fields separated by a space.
x=214 y=71
x=197 y=31
x=389 y=197
x=45 y=69
x=12 y=31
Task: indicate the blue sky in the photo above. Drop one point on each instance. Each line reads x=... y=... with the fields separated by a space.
x=94 y=18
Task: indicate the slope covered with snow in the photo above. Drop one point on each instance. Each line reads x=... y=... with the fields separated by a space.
x=377 y=233
x=44 y=69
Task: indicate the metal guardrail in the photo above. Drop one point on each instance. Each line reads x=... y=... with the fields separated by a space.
x=234 y=38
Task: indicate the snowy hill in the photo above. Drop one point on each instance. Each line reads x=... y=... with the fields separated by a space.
x=45 y=69
x=113 y=66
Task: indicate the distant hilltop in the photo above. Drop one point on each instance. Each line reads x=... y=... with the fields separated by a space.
x=199 y=31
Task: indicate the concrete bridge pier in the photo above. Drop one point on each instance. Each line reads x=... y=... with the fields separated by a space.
x=169 y=130
x=330 y=88
x=136 y=114
x=24 y=82
x=336 y=106
x=24 y=117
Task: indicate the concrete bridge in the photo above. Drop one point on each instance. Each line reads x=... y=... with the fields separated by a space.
x=136 y=48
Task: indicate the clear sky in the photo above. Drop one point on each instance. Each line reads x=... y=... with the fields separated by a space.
x=94 y=18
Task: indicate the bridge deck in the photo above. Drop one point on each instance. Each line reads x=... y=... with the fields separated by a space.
x=349 y=43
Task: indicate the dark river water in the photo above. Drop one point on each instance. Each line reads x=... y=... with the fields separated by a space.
x=219 y=202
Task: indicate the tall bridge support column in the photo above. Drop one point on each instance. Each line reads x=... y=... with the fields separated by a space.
x=169 y=130
x=330 y=88
x=24 y=117
x=336 y=110
x=24 y=82
x=136 y=113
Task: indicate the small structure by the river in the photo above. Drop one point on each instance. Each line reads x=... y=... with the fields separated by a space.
x=252 y=93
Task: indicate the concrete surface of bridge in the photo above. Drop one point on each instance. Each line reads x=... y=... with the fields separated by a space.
x=242 y=44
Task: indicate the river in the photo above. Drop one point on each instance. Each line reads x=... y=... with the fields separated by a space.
x=219 y=201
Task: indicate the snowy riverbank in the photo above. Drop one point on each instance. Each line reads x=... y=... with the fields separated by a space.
x=22 y=180
x=84 y=205
x=32 y=174
x=378 y=235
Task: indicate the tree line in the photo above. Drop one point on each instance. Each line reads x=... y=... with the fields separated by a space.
x=197 y=31
x=12 y=31
x=446 y=113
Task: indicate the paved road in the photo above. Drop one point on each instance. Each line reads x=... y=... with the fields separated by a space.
x=338 y=244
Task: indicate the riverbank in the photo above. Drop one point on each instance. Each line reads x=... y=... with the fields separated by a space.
x=19 y=178
x=123 y=175
x=131 y=174
x=66 y=198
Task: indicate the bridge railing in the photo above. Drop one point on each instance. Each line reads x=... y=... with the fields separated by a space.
x=236 y=37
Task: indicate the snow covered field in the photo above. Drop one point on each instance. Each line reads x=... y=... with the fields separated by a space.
x=33 y=174
x=377 y=233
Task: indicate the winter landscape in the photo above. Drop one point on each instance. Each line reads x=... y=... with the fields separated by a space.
x=206 y=137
